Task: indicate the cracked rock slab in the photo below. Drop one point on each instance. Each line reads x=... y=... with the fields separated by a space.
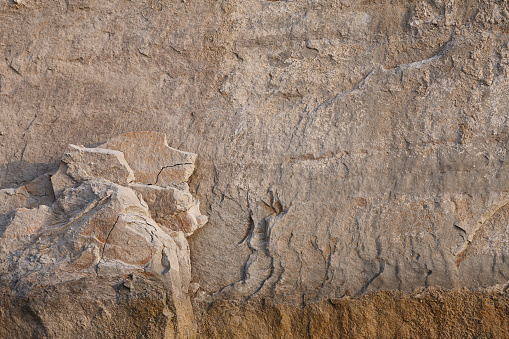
x=81 y=163
x=152 y=160
x=100 y=227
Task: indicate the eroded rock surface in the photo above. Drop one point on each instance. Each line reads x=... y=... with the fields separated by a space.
x=171 y=207
x=100 y=230
x=345 y=146
x=153 y=161
x=431 y=313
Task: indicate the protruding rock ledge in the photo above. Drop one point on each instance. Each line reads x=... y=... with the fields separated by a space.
x=81 y=163
x=153 y=161
x=173 y=208
x=105 y=223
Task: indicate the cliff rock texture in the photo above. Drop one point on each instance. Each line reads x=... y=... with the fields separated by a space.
x=345 y=147
x=106 y=242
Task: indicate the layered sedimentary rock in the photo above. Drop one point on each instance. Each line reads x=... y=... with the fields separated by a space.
x=346 y=147
x=116 y=246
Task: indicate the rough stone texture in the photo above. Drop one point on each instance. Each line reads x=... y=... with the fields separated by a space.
x=153 y=161
x=91 y=308
x=97 y=236
x=80 y=163
x=25 y=222
x=37 y=192
x=432 y=313
x=173 y=208
x=87 y=163
x=345 y=146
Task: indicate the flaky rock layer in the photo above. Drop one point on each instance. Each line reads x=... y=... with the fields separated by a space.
x=98 y=235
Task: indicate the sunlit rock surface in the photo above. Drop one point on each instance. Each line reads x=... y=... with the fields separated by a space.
x=345 y=147
x=100 y=231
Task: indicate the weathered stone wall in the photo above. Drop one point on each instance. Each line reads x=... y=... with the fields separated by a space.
x=344 y=146
x=430 y=313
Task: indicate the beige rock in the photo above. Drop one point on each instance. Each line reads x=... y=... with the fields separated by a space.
x=35 y=193
x=80 y=163
x=345 y=146
x=164 y=199
x=99 y=229
x=41 y=190
x=60 y=180
x=173 y=208
x=87 y=163
x=12 y=198
x=26 y=222
x=152 y=160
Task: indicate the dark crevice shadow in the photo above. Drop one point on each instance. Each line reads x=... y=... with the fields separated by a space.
x=18 y=173
x=5 y=220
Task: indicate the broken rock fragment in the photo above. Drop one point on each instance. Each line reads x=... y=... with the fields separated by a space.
x=81 y=163
x=12 y=198
x=173 y=208
x=35 y=193
x=152 y=160
x=89 y=221
x=27 y=221
x=86 y=163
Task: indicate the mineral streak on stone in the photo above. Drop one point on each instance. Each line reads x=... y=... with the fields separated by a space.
x=26 y=222
x=100 y=229
x=152 y=160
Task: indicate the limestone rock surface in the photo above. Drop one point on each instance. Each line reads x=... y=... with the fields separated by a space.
x=173 y=208
x=87 y=163
x=346 y=147
x=153 y=161
x=98 y=232
x=80 y=163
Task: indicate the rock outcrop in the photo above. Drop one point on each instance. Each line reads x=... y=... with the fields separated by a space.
x=105 y=237
x=346 y=147
x=153 y=161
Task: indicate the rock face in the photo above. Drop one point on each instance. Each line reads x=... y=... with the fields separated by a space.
x=154 y=162
x=431 y=313
x=81 y=163
x=346 y=147
x=99 y=234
